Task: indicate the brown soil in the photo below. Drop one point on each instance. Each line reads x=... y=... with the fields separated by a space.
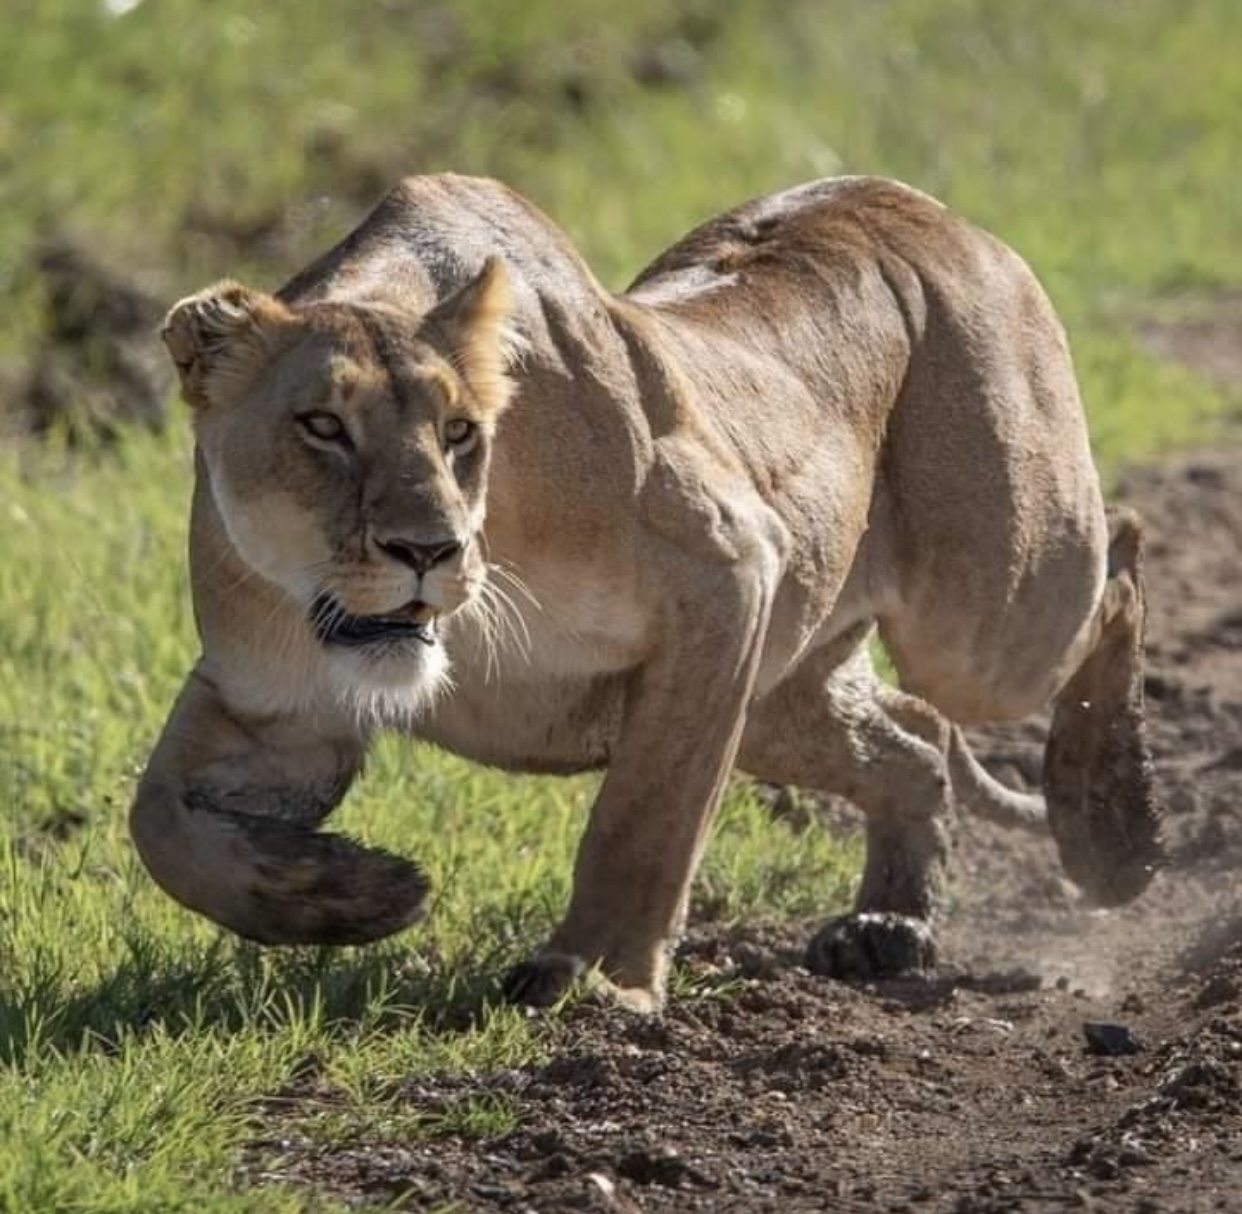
x=972 y=1092
x=98 y=364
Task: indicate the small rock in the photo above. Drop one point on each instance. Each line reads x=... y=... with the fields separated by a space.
x=664 y=1168
x=492 y=1192
x=1113 y=1040
x=603 y=1183
x=753 y=961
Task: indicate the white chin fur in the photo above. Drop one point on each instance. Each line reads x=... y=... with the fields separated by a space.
x=388 y=690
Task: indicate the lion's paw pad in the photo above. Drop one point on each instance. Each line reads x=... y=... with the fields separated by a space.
x=871 y=945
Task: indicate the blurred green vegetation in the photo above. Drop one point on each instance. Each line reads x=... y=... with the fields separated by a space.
x=181 y=141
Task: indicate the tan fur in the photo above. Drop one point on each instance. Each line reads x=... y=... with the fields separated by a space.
x=685 y=510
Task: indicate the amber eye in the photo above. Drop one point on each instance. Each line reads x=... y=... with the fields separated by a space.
x=460 y=432
x=326 y=427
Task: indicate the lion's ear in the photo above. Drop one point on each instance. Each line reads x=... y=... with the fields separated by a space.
x=476 y=325
x=219 y=338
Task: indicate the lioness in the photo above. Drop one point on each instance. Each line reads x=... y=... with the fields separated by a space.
x=447 y=482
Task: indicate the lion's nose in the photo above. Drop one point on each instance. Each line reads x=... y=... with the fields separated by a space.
x=420 y=556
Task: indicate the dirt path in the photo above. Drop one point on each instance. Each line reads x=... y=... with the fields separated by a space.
x=970 y=1093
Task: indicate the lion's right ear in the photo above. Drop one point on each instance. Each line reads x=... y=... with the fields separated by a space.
x=220 y=338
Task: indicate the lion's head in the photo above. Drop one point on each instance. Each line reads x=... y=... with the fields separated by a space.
x=347 y=448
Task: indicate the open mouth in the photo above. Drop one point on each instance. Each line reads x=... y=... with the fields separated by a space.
x=333 y=625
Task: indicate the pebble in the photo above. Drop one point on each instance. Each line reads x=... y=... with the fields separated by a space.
x=1105 y=1037
x=603 y=1183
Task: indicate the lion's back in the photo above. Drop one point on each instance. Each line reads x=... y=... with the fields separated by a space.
x=803 y=235
x=431 y=232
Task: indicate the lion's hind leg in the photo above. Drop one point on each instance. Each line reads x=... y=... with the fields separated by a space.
x=1097 y=768
x=832 y=730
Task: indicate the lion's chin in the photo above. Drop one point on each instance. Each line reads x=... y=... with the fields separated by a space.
x=390 y=683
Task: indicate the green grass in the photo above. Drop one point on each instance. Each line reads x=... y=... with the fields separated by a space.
x=135 y=1040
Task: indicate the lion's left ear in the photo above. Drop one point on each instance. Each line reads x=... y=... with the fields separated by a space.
x=475 y=324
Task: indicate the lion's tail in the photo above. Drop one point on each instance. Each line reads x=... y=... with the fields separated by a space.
x=978 y=793
x=1098 y=780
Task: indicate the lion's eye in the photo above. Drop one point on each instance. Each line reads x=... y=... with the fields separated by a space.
x=460 y=432
x=326 y=427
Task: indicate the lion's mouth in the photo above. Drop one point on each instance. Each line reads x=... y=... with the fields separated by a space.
x=333 y=625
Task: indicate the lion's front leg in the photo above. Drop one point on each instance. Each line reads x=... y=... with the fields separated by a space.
x=225 y=821
x=683 y=719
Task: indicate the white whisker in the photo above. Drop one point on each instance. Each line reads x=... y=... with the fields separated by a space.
x=482 y=613
x=511 y=575
x=511 y=616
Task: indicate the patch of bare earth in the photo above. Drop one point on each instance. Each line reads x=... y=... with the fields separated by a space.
x=973 y=1092
x=98 y=364
x=1206 y=333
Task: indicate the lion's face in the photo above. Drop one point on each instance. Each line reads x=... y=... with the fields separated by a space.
x=347 y=449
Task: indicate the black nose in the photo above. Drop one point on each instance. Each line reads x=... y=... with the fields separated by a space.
x=419 y=556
